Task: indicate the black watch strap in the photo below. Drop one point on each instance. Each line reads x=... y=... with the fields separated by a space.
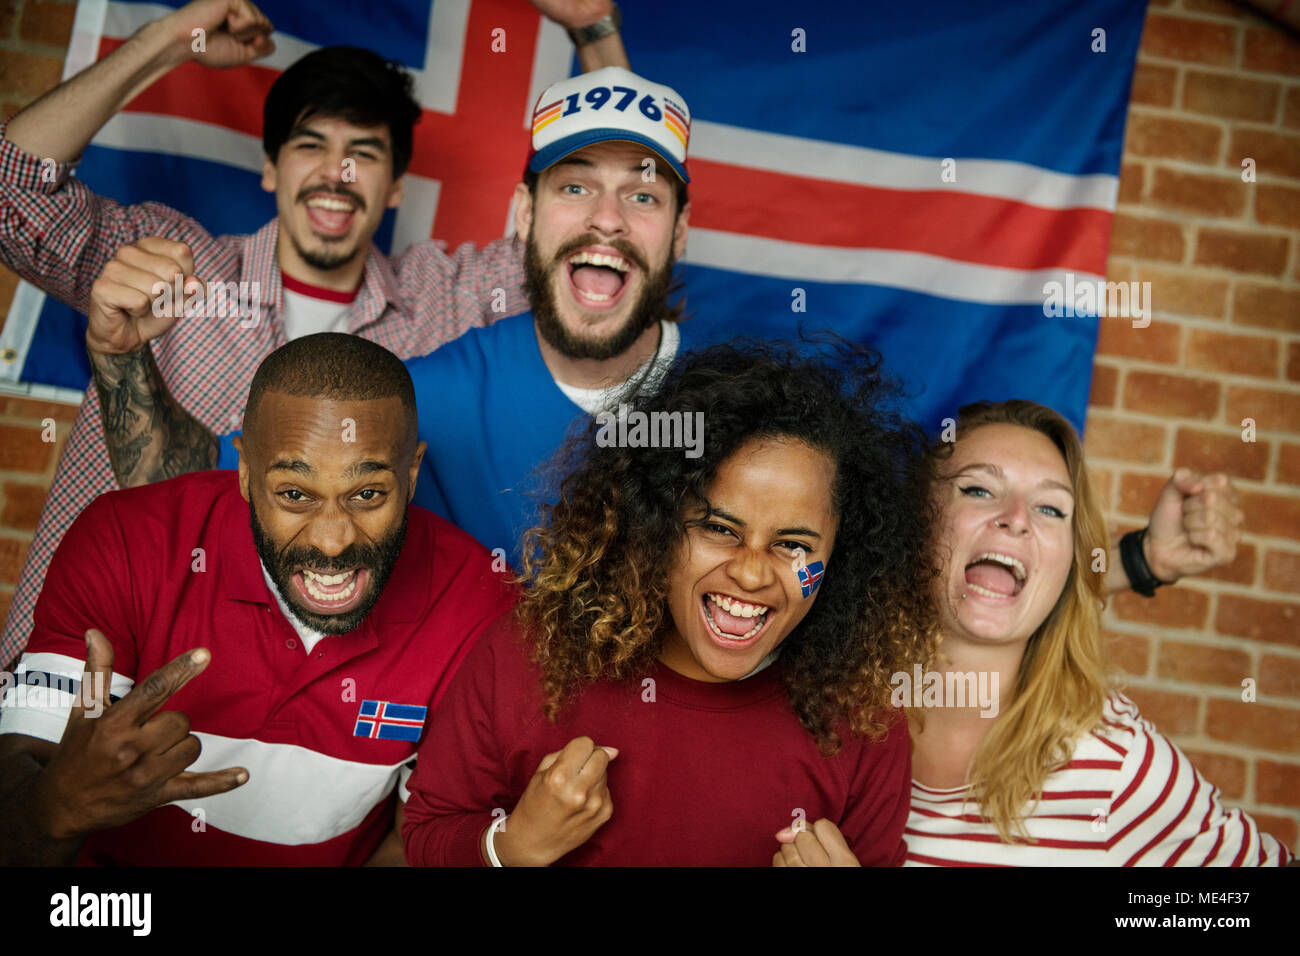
x=1140 y=577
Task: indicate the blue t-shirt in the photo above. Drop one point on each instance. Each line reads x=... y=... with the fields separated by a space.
x=491 y=414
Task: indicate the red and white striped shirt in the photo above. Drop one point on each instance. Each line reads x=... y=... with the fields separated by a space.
x=58 y=235
x=1128 y=797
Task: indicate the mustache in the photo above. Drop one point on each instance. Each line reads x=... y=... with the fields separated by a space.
x=332 y=190
x=591 y=239
x=313 y=559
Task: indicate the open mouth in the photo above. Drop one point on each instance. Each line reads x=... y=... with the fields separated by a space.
x=331 y=214
x=598 y=279
x=333 y=592
x=733 y=623
x=996 y=575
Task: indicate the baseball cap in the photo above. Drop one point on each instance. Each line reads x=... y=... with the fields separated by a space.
x=610 y=104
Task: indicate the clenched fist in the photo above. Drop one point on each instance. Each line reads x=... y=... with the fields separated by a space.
x=123 y=314
x=565 y=803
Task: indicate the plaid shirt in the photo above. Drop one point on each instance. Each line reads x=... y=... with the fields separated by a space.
x=59 y=236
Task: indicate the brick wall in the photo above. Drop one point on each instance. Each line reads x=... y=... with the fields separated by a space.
x=1214 y=86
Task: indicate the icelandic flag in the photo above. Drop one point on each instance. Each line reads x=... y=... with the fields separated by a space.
x=912 y=176
x=380 y=720
x=810 y=578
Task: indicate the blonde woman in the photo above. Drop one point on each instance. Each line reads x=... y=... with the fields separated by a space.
x=1062 y=770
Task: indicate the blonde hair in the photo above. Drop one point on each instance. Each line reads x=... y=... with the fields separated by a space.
x=1061 y=684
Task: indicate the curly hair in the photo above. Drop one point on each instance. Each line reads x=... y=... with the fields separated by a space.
x=596 y=568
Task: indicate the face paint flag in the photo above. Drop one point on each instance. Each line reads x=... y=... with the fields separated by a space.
x=911 y=176
x=380 y=720
x=810 y=578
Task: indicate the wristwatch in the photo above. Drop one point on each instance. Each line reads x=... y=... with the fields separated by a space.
x=1140 y=576
x=601 y=28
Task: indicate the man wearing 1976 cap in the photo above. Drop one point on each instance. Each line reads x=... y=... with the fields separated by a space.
x=603 y=209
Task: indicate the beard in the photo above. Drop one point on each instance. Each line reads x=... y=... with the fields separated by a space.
x=378 y=558
x=328 y=258
x=649 y=308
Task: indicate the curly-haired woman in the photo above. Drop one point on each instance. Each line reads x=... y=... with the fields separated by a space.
x=702 y=654
x=1063 y=771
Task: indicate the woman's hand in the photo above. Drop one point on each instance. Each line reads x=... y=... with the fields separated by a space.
x=565 y=803
x=822 y=844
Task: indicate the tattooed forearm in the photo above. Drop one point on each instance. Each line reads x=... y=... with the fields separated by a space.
x=149 y=436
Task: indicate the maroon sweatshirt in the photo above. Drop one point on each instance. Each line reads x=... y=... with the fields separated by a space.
x=706 y=773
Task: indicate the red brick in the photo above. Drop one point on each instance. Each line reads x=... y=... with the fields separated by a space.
x=1129 y=653
x=1292 y=370
x=1269 y=50
x=13 y=551
x=8 y=17
x=1291 y=108
x=1183 y=292
x=1138 y=493
x=1108 y=437
x=1145 y=237
x=1225 y=772
x=1284 y=828
x=1236 y=354
x=1222 y=8
x=1277 y=622
x=8 y=284
x=1101 y=480
x=1254 y=724
x=1277 y=205
x=1220 y=451
x=1270 y=514
x=29 y=74
x=1154 y=85
x=1267 y=306
x=1153 y=393
x=48 y=23
x=1171 y=713
x=1279 y=675
x=1105 y=379
x=1277 y=783
x=1275 y=154
x=1158 y=342
x=1165 y=138
x=1241 y=251
x=1132 y=179
x=22 y=507
x=1282 y=570
x=1288 y=465
x=1193 y=41
x=1202 y=664
x=1232 y=97
x=21 y=449
x=1240 y=570
x=1179 y=606
x=36 y=411
x=1272 y=409
x=1198 y=194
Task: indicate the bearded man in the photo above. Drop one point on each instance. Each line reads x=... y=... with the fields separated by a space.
x=235 y=667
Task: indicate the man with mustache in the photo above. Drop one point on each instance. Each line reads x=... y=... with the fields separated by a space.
x=337 y=138
x=295 y=621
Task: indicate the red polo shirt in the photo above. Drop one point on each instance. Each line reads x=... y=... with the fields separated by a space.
x=325 y=736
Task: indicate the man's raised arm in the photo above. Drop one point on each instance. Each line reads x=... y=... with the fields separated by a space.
x=149 y=436
x=60 y=124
